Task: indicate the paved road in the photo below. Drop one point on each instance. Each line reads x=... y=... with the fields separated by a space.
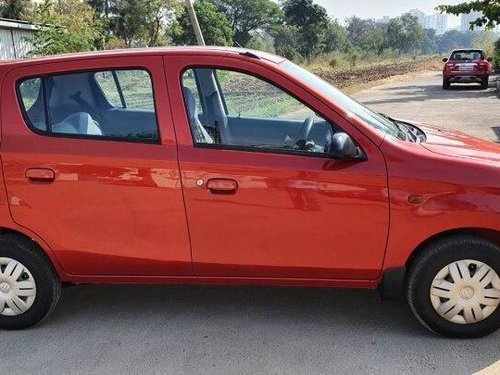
x=235 y=330
x=249 y=330
x=421 y=98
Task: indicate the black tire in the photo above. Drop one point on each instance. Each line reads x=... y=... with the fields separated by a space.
x=425 y=267
x=446 y=84
x=485 y=82
x=48 y=286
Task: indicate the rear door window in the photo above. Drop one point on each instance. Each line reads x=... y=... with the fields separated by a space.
x=117 y=104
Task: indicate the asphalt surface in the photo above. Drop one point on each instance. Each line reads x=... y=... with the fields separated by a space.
x=421 y=98
x=252 y=330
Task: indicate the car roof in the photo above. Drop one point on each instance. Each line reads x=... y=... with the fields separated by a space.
x=137 y=52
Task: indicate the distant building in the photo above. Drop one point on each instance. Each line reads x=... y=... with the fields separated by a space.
x=438 y=22
x=15 y=38
x=467 y=19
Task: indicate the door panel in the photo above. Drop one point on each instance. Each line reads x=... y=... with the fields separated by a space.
x=113 y=207
x=293 y=216
x=289 y=217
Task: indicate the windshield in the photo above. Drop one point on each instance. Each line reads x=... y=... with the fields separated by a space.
x=467 y=55
x=379 y=122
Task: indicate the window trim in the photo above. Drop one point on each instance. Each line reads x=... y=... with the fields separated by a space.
x=32 y=128
x=256 y=149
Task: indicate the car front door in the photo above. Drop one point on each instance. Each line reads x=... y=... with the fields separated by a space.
x=258 y=205
x=90 y=165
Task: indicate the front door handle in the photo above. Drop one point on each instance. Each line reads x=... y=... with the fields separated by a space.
x=40 y=174
x=222 y=186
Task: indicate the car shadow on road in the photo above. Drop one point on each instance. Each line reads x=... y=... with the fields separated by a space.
x=496 y=130
x=420 y=93
x=264 y=323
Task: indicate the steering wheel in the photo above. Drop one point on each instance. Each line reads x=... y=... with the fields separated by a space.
x=304 y=132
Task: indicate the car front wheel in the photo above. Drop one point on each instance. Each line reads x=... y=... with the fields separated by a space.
x=453 y=287
x=446 y=84
x=29 y=287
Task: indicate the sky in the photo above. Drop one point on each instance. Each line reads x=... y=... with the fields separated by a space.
x=343 y=9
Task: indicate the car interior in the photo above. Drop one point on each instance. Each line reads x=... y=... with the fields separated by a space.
x=218 y=112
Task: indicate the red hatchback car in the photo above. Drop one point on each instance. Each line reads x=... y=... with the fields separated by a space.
x=228 y=166
x=467 y=66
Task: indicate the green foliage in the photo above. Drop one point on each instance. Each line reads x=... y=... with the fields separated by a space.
x=249 y=15
x=496 y=56
x=366 y=35
x=214 y=25
x=336 y=37
x=15 y=9
x=453 y=39
x=260 y=43
x=489 y=8
x=143 y=22
x=65 y=26
x=485 y=40
x=311 y=22
x=404 y=33
x=286 y=41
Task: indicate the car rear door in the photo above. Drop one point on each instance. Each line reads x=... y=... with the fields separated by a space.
x=108 y=200
x=257 y=212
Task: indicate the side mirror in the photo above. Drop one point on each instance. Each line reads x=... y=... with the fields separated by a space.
x=445 y=59
x=490 y=59
x=343 y=147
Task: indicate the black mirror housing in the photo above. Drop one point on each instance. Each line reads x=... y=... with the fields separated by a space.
x=445 y=59
x=342 y=147
x=490 y=59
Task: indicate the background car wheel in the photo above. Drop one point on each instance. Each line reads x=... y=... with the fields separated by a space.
x=485 y=83
x=453 y=287
x=446 y=84
x=29 y=287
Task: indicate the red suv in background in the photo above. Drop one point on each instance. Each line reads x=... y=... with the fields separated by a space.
x=467 y=66
x=229 y=166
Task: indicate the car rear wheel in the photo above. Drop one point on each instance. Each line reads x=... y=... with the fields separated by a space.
x=485 y=83
x=453 y=287
x=29 y=287
x=446 y=84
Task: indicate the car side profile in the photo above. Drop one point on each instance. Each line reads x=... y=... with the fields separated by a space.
x=467 y=66
x=227 y=166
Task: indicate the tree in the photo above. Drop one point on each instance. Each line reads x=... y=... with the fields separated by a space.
x=453 y=39
x=65 y=26
x=286 y=41
x=485 y=40
x=143 y=22
x=249 y=15
x=15 y=9
x=429 y=44
x=216 y=28
x=366 y=35
x=311 y=20
x=490 y=10
x=336 y=37
x=404 y=33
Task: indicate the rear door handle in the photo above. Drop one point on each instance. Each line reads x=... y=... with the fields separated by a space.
x=222 y=186
x=40 y=174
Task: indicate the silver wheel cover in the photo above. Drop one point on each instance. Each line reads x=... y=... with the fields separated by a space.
x=17 y=288
x=466 y=291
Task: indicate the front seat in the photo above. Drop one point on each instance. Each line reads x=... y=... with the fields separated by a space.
x=200 y=135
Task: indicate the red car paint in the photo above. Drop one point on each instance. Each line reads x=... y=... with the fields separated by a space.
x=133 y=212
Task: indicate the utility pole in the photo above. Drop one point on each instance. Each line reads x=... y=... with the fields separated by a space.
x=194 y=23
